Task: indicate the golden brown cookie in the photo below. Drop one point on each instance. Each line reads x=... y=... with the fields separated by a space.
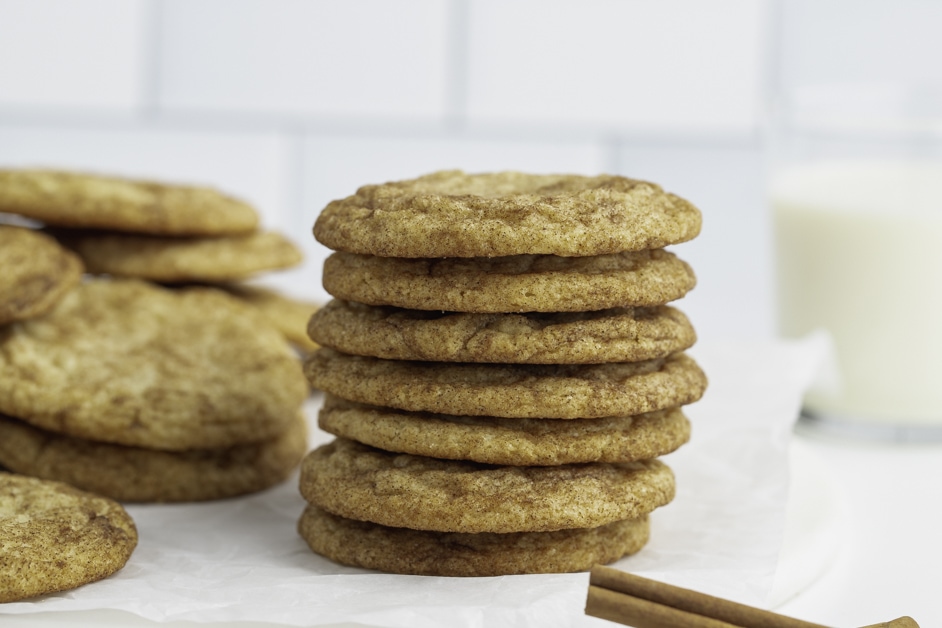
x=35 y=273
x=289 y=315
x=91 y=201
x=135 y=474
x=454 y=214
x=405 y=551
x=515 y=442
x=522 y=283
x=54 y=537
x=614 y=335
x=169 y=259
x=536 y=391
x=128 y=362
x=355 y=481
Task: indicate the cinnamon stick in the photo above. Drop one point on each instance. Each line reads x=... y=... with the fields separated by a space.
x=664 y=599
x=899 y=622
x=633 y=611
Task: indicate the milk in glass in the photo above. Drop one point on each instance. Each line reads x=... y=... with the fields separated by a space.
x=859 y=253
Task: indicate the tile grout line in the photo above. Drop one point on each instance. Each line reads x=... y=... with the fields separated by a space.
x=152 y=40
x=457 y=31
x=771 y=64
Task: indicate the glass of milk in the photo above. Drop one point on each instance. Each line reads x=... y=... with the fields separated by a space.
x=856 y=194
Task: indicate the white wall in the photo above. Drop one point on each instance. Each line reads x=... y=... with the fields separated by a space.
x=291 y=103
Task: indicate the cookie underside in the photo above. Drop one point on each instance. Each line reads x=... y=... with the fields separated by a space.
x=516 y=442
x=134 y=474
x=417 y=552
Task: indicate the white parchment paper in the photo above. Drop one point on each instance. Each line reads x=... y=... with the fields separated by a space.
x=241 y=560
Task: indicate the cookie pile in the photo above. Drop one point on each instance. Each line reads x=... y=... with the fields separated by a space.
x=501 y=372
x=121 y=386
x=168 y=234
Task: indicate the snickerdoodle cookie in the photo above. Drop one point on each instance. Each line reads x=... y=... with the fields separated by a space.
x=128 y=362
x=92 y=201
x=54 y=537
x=35 y=273
x=355 y=481
x=519 y=283
x=539 y=391
x=518 y=442
x=454 y=214
x=167 y=259
x=136 y=474
x=405 y=551
x=290 y=315
x=613 y=335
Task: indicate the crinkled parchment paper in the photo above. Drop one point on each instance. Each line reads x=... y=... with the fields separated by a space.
x=241 y=560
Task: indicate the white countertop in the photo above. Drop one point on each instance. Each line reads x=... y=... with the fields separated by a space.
x=889 y=560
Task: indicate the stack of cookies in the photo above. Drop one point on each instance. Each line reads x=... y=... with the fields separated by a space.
x=120 y=386
x=501 y=372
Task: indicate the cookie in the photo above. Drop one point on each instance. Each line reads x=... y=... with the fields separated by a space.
x=134 y=474
x=405 y=551
x=35 y=273
x=182 y=260
x=91 y=201
x=521 y=283
x=355 y=481
x=289 y=315
x=125 y=361
x=537 y=391
x=54 y=537
x=453 y=214
x=514 y=442
x=614 y=335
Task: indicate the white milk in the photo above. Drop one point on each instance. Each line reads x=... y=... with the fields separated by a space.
x=860 y=254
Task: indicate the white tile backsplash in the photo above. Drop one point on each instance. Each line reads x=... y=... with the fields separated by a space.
x=292 y=103
x=674 y=66
x=861 y=41
x=61 y=53
x=305 y=57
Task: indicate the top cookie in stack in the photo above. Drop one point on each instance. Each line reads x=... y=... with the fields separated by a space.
x=502 y=371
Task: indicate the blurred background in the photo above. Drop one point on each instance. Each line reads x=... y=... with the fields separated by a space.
x=292 y=103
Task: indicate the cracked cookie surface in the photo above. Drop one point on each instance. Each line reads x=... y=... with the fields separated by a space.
x=520 y=283
x=615 y=335
x=400 y=490
x=538 y=391
x=455 y=214
x=128 y=362
x=54 y=537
